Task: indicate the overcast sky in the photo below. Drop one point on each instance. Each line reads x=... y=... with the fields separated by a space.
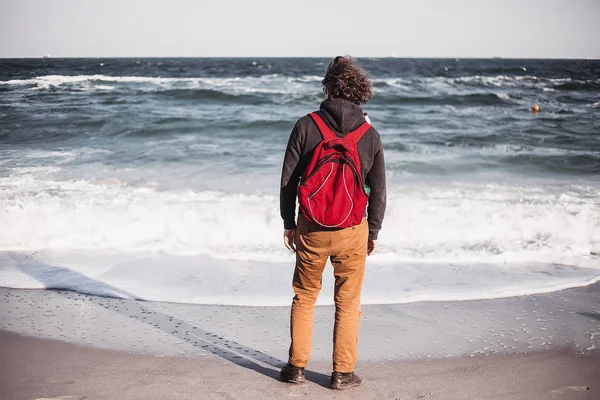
x=237 y=28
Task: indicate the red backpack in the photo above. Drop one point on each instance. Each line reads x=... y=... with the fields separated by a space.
x=331 y=191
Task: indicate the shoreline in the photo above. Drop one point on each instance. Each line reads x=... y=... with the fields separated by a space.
x=566 y=319
x=191 y=279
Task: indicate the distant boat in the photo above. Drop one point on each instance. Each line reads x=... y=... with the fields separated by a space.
x=46 y=56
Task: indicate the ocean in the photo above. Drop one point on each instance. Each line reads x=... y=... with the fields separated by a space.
x=158 y=179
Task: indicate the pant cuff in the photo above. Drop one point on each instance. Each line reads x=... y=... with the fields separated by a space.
x=297 y=364
x=343 y=369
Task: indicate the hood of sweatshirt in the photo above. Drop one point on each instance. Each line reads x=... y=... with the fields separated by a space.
x=342 y=115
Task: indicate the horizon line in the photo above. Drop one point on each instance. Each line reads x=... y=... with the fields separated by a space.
x=49 y=56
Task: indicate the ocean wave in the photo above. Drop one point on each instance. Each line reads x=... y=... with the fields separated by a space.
x=273 y=83
x=276 y=83
x=485 y=81
x=210 y=95
x=457 y=155
x=578 y=85
x=243 y=90
x=577 y=163
x=56 y=156
x=450 y=223
x=474 y=99
x=306 y=89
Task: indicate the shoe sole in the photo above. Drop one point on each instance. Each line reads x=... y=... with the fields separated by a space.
x=343 y=387
x=295 y=382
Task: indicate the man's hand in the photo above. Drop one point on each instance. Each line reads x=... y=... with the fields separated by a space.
x=289 y=239
x=371 y=244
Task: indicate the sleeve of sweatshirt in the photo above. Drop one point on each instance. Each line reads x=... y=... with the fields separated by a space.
x=377 y=199
x=290 y=178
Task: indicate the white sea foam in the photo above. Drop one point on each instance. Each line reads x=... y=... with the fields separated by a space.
x=420 y=153
x=440 y=242
x=273 y=83
x=45 y=161
x=460 y=223
x=450 y=84
x=205 y=280
x=35 y=154
x=276 y=83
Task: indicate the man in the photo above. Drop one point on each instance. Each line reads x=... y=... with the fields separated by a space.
x=346 y=87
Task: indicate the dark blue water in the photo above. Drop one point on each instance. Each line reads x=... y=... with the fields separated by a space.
x=436 y=116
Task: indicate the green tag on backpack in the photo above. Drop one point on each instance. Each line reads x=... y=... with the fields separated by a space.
x=367 y=190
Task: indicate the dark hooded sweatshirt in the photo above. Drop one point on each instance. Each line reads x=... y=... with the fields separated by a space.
x=342 y=116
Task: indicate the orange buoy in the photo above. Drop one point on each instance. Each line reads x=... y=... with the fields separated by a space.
x=535 y=108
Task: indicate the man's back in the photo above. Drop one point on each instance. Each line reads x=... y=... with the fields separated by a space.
x=342 y=117
x=314 y=242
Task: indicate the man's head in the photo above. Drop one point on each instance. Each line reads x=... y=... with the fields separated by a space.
x=346 y=80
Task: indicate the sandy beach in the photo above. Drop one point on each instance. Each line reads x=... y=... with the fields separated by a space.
x=35 y=369
x=61 y=343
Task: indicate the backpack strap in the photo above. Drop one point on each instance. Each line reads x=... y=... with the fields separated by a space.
x=357 y=134
x=328 y=134
x=323 y=128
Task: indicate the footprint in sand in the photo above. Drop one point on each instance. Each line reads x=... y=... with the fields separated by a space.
x=574 y=388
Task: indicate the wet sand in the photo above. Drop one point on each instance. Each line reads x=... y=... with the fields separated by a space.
x=37 y=368
x=60 y=343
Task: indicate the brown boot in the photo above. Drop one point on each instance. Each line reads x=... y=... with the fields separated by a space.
x=291 y=374
x=340 y=380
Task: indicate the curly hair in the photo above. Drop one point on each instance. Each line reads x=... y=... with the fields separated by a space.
x=344 y=79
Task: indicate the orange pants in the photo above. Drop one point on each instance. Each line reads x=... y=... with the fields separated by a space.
x=347 y=249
